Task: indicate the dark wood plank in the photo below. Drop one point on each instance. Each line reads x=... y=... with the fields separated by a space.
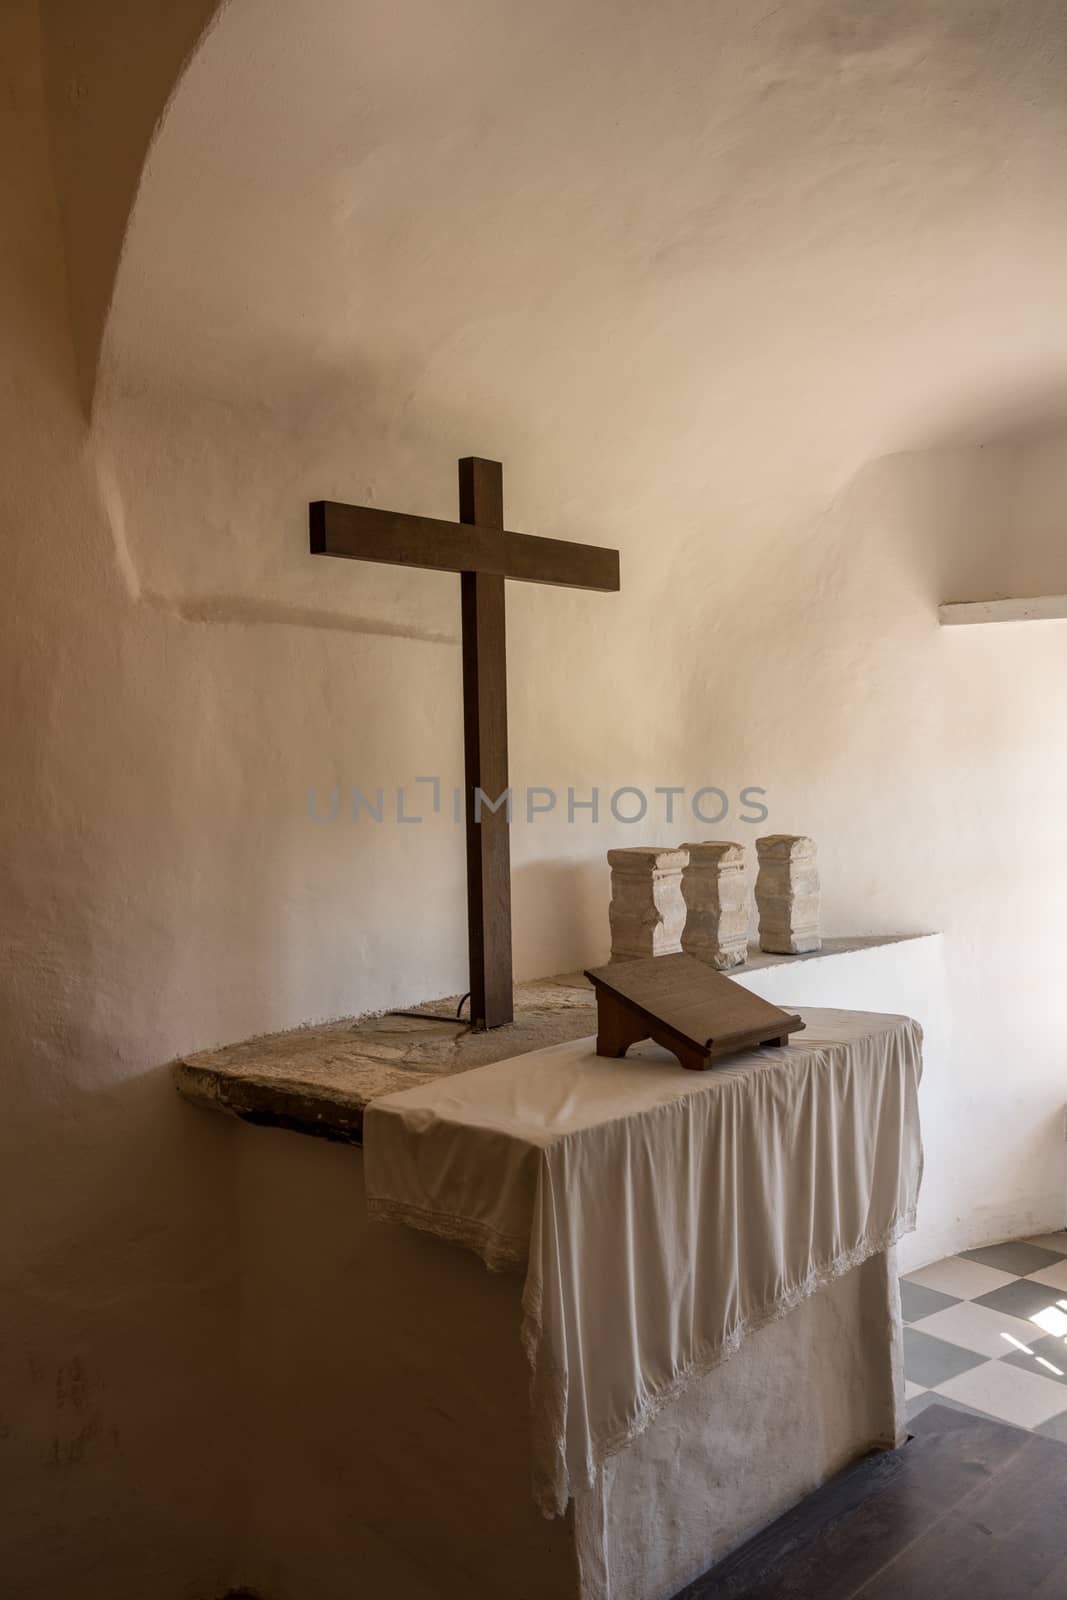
x=780 y=1559
x=1054 y=1584
x=1002 y=1539
x=851 y=1535
x=485 y=745
x=365 y=533
x=1005 y=1537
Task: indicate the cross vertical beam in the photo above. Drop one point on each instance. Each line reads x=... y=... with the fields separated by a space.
x=485 y=746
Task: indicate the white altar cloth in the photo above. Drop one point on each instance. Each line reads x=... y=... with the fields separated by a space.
x=662 y=1214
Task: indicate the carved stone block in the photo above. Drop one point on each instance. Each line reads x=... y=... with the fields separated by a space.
x=787 y=894
x=647 y=912
x=716 y=904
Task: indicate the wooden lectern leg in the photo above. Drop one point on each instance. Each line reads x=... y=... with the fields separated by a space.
x=689 y=1055
x=617 y=1028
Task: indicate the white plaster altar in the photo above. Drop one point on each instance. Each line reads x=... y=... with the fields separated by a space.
x=389 y=1431
x=382 y=1393
x=663 y=1218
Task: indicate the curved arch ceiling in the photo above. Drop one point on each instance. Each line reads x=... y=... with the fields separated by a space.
x=109 y=69
x=648 y=254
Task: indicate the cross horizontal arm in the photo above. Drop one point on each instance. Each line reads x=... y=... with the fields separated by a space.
x=363 y=533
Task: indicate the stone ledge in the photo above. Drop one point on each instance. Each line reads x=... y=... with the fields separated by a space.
x=318 y=1080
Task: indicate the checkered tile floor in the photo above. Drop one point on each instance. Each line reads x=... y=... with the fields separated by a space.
x=986 y=1331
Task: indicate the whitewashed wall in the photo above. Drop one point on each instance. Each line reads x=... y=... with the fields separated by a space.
x=118 y=1283
x=770 y=298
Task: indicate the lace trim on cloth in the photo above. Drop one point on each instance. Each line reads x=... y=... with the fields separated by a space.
x=553 y=1482
x=501 y=1252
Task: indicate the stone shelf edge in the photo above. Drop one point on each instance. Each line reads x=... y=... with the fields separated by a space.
x=968 y=613
x=318 y=1079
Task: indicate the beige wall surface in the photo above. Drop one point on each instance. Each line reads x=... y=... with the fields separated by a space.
x=771 y=298
x=117 y=1282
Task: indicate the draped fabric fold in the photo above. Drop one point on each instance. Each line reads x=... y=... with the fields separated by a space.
x=661 y=1215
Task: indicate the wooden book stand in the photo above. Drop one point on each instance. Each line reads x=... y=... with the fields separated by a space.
x=685 y=1006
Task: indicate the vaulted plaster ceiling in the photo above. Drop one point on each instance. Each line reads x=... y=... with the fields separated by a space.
x=668 y=256
x=847 y=214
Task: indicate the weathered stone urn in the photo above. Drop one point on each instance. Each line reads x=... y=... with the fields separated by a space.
x=647 y=912
x=716 y=904
x=787 y=894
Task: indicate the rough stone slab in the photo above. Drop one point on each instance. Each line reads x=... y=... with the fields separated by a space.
x=318 y=1080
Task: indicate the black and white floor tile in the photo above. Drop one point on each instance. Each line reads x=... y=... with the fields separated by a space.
x=986 y=1331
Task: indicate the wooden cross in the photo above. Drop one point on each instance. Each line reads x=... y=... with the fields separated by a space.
x=478 y=548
